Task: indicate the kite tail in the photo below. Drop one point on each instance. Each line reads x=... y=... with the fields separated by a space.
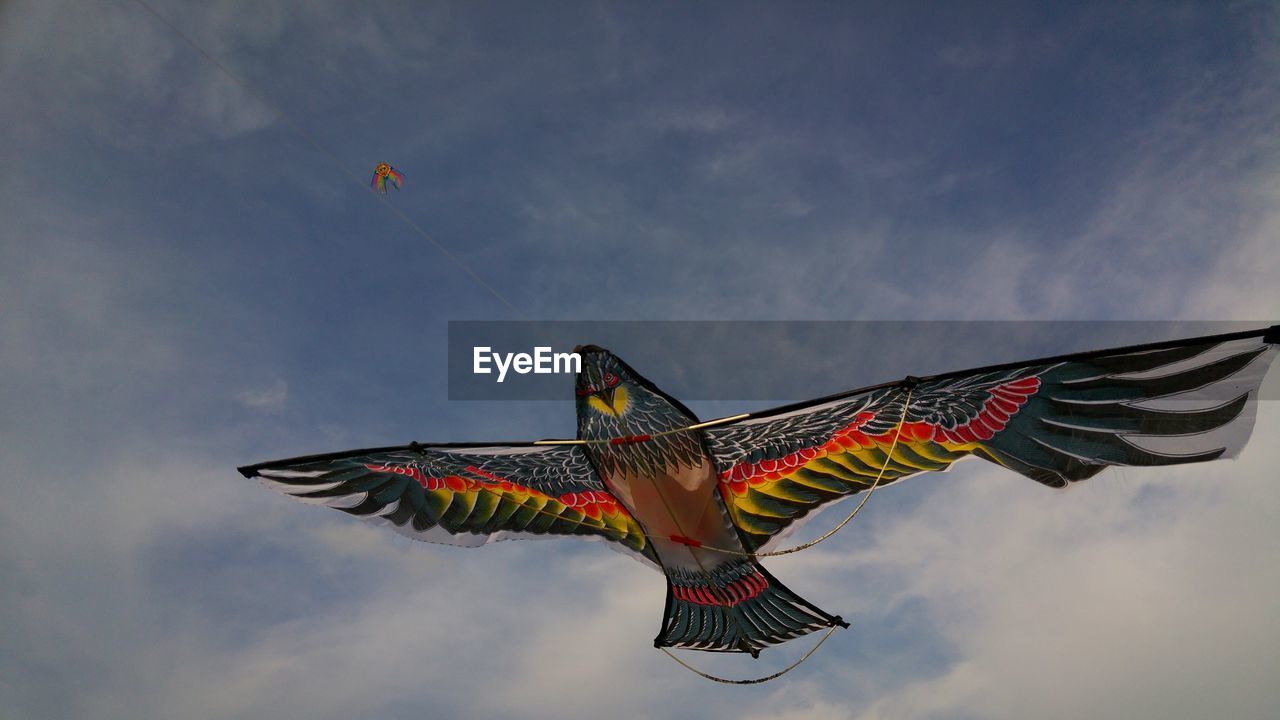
x=735 y=607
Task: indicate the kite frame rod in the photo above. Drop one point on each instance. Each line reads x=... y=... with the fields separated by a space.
x=1269 y=335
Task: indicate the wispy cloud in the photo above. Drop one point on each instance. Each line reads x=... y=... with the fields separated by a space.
x=271 y=397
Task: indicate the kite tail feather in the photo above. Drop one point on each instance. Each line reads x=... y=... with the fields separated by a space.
x=735 y=607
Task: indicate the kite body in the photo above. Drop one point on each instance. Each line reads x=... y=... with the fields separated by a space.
x=384 y=175
x=699 y=502
x=718 y=597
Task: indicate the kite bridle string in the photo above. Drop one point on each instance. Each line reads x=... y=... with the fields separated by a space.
x=642 y=438
x=710 y=582
x=893 y=446
x=752 y=681
x=906 y=403
x=774 y=553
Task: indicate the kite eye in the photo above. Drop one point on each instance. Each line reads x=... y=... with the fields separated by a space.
x=588 y=390
x=610 y=379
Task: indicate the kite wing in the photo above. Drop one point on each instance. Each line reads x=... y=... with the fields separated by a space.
x=1056 y=422
x=463 y=494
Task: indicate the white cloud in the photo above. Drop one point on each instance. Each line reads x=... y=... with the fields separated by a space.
x=800 y=700
x=114 y=62
x=270 y=398
x=1143 y=595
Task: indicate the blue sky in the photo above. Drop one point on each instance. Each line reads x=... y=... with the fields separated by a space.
x=187 y=285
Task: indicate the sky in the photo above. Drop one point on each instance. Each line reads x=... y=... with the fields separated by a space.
x=191 y=281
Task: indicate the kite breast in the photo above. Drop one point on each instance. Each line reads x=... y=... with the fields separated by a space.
x=676 y=500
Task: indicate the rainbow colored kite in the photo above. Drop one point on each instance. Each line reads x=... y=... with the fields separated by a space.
x=381 y=174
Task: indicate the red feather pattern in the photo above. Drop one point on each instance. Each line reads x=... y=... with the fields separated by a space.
x=1004 y=403
x=738 y=591
x=592 y=503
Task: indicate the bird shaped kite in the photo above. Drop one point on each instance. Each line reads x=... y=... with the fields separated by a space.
x=702 y=501
x=381 y=174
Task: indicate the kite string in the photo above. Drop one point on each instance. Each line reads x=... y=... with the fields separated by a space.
x=752 y=681
x=315 y=144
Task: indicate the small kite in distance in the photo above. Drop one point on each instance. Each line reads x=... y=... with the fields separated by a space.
x=381 y=174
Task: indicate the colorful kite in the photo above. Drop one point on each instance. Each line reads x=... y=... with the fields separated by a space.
x=701 y=502
x=381 y=174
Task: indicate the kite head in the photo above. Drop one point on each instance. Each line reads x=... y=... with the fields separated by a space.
x=616 y=401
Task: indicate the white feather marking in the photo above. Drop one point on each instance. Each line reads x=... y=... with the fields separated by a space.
x=291 y=473
x=295 y=490
x=342 y=502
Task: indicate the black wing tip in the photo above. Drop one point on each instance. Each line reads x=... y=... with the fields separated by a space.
x=251 y=471
x=1272 y=336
